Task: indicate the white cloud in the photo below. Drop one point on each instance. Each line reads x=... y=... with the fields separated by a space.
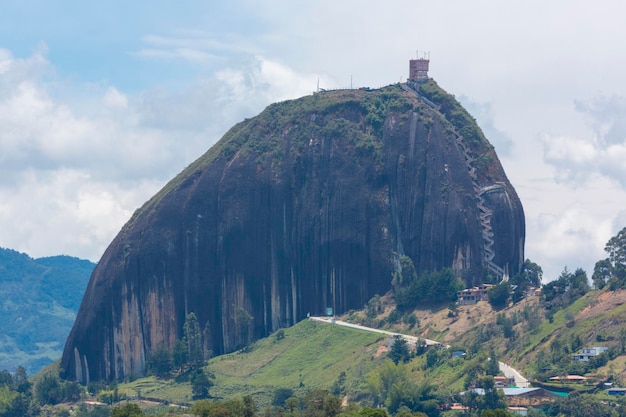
x=519 y=67
x=89 y=161
x=194 y=47
x=572 y=231
x=65 y=212
x=114 y=99
x=599 y=151
x=483 y=113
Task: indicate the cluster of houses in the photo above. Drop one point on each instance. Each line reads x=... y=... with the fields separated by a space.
x=519 y=399
x=470 y=296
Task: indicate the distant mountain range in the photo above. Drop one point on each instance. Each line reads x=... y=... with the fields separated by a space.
x=39 y=299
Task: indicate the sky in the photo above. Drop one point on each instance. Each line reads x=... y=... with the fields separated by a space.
x=101 y=103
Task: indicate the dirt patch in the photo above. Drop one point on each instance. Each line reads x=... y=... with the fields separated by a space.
x=467 y=317
x=604 y=302
x=435 y=322
x=381 y=349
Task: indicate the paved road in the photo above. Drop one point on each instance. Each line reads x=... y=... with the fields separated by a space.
x=408 y=338
x=507 y=370
x=510 y=372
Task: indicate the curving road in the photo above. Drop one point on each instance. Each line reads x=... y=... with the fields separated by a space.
x=508 y=371
x=408 y=338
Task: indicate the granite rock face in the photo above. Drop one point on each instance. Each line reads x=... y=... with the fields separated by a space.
x=304 y=207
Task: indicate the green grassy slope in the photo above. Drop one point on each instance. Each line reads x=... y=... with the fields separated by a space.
x=311 y=355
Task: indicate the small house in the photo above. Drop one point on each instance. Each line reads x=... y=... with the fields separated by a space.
x=517 y=397
x=616 y=391
x=586 y=354
x=471 y=296
x=522 y=411
x=503 y=381
x=571 y=379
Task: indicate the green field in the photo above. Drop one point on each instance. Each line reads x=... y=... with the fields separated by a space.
x=310 y=355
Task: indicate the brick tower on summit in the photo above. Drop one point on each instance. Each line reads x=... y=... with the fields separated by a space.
x=418 y=69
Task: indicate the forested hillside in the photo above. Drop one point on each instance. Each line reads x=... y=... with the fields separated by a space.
x=38 y=303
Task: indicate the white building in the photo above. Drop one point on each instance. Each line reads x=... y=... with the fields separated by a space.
x=586 y=354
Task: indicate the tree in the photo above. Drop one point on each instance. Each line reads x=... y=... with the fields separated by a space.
x=292 y=404
x=71 y=391
x=566 y=289
x=6 y=378
x=193 y=340
x=500 y=412
x=21 y=406
x=411 y=320
x=616 y=248
x=493 y=367
x=507 y=325
x=399 y=351
x=492 y=399
x=373 y=412
x=612 y=270
x=373 y=307
x=160 y=362
x=20 y=380
x=244 y=321
x=434 y=286
x=381 y=380
x=6 y=398
x=180 y=355
x=444 y=286
x=201 y=382
x=320 y=403
x=97 y=411
x=584 y=405
x=281 y=395
x=203 y=408
x=405 y=275
x=332 y=406
x=339 y=386
x=529 y=276
x=432 y=358
x=249 y=408
x=127 y=410
x=206 y=339
x=499 y=295
x=602 y=273
x=579 y=285
x=49 y=390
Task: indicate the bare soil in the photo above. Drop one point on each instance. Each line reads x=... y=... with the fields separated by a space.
x=465 y=319
x=605 y=302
